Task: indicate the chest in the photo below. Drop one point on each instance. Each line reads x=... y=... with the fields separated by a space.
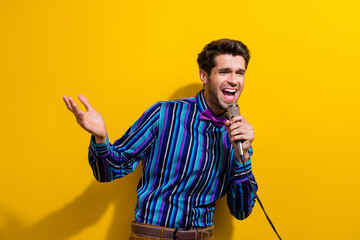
x=190 y=148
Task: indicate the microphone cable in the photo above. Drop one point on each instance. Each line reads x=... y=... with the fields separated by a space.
x=253 y=190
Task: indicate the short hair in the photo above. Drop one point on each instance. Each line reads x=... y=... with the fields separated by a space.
x=206 y=59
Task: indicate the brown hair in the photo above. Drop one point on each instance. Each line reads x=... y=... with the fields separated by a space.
x=222 y=46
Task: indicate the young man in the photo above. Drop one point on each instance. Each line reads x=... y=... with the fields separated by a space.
x=188 y=151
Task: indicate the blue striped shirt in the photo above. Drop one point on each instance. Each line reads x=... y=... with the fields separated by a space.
x=187 y=164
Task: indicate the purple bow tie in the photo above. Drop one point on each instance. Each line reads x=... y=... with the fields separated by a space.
x=206 y=115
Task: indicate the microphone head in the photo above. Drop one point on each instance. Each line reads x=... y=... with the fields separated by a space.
x=233 y=110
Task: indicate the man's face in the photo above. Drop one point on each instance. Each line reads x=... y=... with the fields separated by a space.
x=225 y=83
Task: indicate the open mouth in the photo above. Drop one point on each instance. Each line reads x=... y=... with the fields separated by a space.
x=229 y=94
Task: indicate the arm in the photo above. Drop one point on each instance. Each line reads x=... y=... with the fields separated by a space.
x=111 y=161
x=240 y=198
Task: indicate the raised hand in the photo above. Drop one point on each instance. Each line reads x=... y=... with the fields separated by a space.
x=91 y=120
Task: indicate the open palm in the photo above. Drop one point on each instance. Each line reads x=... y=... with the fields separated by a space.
x=91 y=120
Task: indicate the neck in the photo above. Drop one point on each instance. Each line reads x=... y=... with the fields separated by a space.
x=214 y=109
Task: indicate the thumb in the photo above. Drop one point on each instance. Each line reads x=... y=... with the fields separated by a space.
x=227 y=124
x=84 y=101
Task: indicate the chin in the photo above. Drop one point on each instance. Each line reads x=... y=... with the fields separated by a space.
x=224 y=105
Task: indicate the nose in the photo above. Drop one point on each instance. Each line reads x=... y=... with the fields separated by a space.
x=232 y=79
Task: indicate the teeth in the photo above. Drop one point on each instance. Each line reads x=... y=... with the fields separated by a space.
x=229 y=90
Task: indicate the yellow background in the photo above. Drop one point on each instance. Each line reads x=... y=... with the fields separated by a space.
x=301 y=96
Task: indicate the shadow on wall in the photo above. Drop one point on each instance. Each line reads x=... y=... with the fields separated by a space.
x=87 y=209
x=83 y=212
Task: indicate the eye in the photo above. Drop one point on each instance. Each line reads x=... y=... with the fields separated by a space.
x=223 y=71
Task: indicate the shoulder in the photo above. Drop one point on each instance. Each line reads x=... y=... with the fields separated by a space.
x=178 y=102
x=173 y=109
x=165 y=106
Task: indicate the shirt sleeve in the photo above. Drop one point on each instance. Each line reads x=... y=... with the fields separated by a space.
x=110 y=161
x=240 y=198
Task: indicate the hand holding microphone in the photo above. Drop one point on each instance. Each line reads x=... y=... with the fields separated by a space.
x=241 y=133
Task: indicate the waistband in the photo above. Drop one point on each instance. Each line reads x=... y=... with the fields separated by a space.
x=147 y=230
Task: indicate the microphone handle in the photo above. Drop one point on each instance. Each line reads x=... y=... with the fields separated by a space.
x=241 y=152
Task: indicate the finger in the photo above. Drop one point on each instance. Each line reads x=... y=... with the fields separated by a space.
x=77 y=114
x=240 y=125
x=238 y=119
x=227 y=123
x=75 y=108
x=242 y=132
x=67 y=103
x=242 y=137
x=80 y=118
x=85 y=101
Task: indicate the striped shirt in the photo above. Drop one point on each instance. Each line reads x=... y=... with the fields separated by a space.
x=187 y=164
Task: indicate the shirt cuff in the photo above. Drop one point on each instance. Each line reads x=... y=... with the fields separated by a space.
x=240 y=170
x=100 y=150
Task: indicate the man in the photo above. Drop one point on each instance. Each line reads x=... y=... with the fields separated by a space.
x=188 y=151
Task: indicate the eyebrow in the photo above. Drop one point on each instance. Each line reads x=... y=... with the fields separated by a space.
x=228 y=69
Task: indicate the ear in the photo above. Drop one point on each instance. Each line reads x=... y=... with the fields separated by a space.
x=203 y=76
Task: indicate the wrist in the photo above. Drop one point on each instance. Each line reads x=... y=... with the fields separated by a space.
x=100 y=140
x=246 y=156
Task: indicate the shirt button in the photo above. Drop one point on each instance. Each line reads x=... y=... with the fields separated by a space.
x=207 y=150
x=191 y=194
x=187 y=214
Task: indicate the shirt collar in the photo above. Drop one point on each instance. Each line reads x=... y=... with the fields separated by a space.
x=202 y=105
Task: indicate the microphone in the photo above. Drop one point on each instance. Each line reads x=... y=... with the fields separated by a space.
x=234 y=110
